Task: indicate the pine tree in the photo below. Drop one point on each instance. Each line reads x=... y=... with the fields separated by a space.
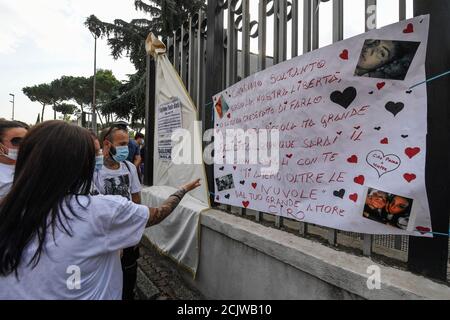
x=128 y=39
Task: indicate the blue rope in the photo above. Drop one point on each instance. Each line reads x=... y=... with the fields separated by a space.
x=431 y=79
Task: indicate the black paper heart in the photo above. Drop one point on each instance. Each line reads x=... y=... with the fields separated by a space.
x=409 y=91
x=394 y=108
x=221 y=168
x=404 y=136
x=344 y=99
x=339 y=194
x=242 y=182
x=227 y=196
x=377 y=128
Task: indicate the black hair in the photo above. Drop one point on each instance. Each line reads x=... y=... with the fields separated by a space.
x=93 y=134
x=108 y=133
x=139 y=136
x=55 y=163
x=6 y=125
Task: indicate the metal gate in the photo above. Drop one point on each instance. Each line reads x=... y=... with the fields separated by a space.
x=235 y=38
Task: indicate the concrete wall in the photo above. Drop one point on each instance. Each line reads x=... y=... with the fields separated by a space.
x=230 y=269
x=240 y=259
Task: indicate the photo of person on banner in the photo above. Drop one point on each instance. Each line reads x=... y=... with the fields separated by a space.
x=386 y=59
x=385 y=208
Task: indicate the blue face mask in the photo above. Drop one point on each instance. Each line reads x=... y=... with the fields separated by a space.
x=98 y=162
x=121 y=154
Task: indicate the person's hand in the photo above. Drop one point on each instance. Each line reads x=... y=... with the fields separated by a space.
x=191 y=185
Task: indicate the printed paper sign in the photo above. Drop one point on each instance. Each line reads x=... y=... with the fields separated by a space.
x=169 y=120
x=352 y=135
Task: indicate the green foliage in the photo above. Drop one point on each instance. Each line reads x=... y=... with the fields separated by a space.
x=65 y=108
x=63 y=92
x=128 y=39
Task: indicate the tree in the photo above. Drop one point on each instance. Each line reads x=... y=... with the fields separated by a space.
x=63 y=92
x=40 y=93
x=128 y=38
x=65 y=108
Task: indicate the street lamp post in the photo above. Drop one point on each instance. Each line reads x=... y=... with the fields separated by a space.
x=95 y=34
x=13 y=100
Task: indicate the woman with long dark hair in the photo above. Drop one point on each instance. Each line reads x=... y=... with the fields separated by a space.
x=57 y=241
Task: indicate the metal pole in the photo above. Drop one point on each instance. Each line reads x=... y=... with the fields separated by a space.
x=94 y=98
x=149 y=120
x=13 y=101
x=214 y=67
x=428 y=256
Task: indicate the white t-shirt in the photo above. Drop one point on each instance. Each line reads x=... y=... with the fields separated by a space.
x=6 y=178
x=108 y=224
x=121 y=182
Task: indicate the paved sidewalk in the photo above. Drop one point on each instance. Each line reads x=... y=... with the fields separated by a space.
x=159 y=278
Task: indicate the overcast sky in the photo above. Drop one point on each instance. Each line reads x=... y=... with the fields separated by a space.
x=41 y=40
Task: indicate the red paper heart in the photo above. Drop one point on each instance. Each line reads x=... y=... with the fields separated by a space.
x=359 y=180
x=409 y=177
x=423 y=230
x=254 y=185
x=344 y=55
x=289 y=155
x=411 y=152
x=409 y=28
x=353 y=159
x=245 y=203
x=384 y=141
x=380 y=85
x=354 y=197
x=229 y=116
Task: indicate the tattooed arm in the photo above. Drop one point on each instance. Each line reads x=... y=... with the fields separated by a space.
x=157 y=215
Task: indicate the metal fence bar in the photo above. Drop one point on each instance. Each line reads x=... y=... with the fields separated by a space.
x=262 y=30
x=245 y=38
x=295 y=25
x=169 y=44
x=191 y=64
x=368 y=238
x=282 y=29
x=307 y=13
x=231 y=47
x=183 y=70
x=307 y=19
x=315 y=24
x=175 y=51
x=276 y=33
x=200 y=62
x=338 y=20
x=426 y=256
x=402 y=10
x=214 y=62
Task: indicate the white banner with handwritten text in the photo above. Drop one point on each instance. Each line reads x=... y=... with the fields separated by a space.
x=349 y=135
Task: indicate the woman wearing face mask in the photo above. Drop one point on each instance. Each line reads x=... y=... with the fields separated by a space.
x=119 y=177
x=11 y=135
x=56 y=241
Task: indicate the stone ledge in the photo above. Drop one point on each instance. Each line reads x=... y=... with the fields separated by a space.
x=338 y=268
